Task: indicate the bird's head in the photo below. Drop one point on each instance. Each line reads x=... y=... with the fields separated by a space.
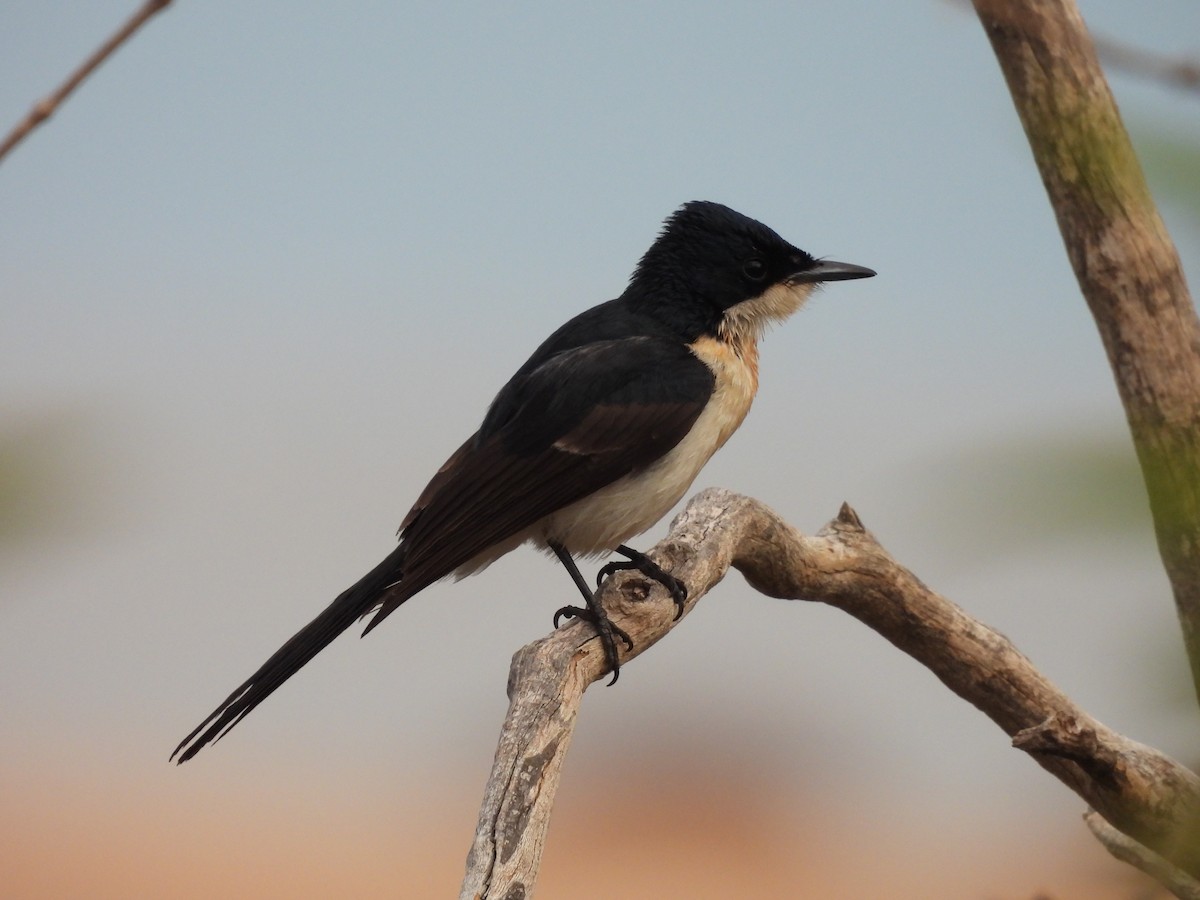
x=715 y=270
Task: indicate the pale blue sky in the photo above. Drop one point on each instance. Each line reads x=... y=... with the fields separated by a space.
x=271 y=262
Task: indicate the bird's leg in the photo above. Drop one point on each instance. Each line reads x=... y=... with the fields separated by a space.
x=593 y=613
x=648 y=567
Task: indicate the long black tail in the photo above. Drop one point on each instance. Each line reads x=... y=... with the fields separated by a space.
x=351 y=604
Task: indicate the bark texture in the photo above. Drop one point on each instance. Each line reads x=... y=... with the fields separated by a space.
x=1124 y=260
x=1144 y=793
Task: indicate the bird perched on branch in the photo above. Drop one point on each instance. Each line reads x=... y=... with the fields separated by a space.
x=593 y=439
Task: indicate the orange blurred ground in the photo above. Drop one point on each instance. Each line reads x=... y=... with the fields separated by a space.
x=69 y=834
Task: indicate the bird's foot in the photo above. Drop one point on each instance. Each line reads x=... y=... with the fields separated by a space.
x=570 y=612
x=605 y=629
x=652 y=570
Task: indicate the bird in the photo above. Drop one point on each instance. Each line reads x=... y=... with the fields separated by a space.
x=592 y=441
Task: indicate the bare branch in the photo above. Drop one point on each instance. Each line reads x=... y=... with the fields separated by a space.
x=1124 y=261
x=1180 y=72
x=1130 y=851
x=46 y=107
x=1143 y=792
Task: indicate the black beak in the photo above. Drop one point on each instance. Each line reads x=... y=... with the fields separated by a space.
x=828 y=270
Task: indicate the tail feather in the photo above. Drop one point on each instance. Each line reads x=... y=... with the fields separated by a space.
x=351 y=605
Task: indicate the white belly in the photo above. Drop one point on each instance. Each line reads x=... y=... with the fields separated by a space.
x=629 y=506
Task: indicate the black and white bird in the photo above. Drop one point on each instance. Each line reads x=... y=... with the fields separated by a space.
x=593 y=439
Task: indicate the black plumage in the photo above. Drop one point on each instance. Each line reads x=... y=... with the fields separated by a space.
x=592 y=439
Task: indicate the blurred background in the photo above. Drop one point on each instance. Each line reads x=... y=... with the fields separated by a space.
x=264 y=272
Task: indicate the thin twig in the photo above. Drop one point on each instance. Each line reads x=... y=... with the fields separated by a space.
x=45 y=108
x=1176 y=72
x=1126 y=849
x=1180 y=72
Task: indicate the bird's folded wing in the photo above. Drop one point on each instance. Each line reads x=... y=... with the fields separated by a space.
x=580 y=421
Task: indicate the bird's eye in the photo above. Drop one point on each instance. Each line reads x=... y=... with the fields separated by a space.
x=755 y=270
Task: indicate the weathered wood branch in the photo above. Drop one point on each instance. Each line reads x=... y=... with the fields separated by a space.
x=1124 y=261
x=1144 y=793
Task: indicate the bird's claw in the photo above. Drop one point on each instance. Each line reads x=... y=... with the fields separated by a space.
x=570 y=612
x=676 y=588
x=678 y=592
x=605 y=630
x=611 y=568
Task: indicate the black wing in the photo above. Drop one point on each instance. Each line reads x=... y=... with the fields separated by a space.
x=559 y=431
x=578 y=422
